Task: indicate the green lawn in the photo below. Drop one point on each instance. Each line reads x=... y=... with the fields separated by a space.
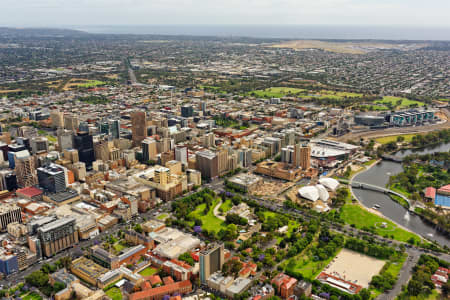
x=162 y=216
x=276 y=92
x=355 y=214
x=32 y=296
x=119 y=246
x=91 y=83
x=148 y=271
x=393 y=138
x=291 y=225
x=226 y=206
x=370 y=162
x=210 y=221
x=307 y=266
x=374 y=107
x=114 y=293
x=399 y=189
x=405 y=103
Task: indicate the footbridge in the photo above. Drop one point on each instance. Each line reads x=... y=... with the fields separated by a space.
x=371 y=187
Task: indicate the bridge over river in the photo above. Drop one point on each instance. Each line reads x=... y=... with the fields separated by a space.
x=375 y=188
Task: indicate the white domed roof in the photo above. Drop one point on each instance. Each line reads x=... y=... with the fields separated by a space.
x=330 y=183
x=323 y=193
x=309 y=192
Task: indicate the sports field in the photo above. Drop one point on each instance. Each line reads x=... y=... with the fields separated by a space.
x=355 y=267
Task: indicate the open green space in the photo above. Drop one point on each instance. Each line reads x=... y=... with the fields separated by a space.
x=162 y=216
x=276 y=92
x=119 y=246
x=114 y=293
x=400 y=189
x=91 y=83
x=292 y=225
x=399 y=102
x=211 y=88
x=148 y=271
x=209 y=221
x=226 y=206
x=308 y=267
x=374 y=107
x=393 y=138
x=354 y=214
x=31 y=296
x=370 y=162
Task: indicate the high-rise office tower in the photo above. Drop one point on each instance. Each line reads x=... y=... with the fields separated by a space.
x=79 y=171
x=16 y=150
x=65 y=139
x=297 y=156
x=305 y=157
x=26 y=172
x=71 y=122
x=208 y=140
x=245 y=157
x=39 y=145
x=9 y=214
x=72 y=155
x=10 y=181
x=52 y=178
x=101 y=150
x=83 y=142
x=222 y=157
x=187 y=111
x=139 y=126
x=114 y=128
x=83 y=126
x=211 y=260
x=162 y=175
x=181 y=154
x=149 y=149
x=57 y=236
x=57 y=118
x=207 y=163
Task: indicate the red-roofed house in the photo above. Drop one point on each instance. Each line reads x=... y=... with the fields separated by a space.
x=285 y=285
x=440 y=277
x=430 y=193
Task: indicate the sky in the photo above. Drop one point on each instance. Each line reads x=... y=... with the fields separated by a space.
x=60 y=13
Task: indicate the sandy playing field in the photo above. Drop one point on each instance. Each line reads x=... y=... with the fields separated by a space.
x=354 y=267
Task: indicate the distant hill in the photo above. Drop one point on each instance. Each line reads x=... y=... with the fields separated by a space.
x=40 y=32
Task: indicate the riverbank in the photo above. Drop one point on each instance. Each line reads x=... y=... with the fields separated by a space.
x=376 y=212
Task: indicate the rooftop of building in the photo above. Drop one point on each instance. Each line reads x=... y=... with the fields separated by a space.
x=56 y=224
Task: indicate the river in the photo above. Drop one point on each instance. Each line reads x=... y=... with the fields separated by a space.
x=379 y=175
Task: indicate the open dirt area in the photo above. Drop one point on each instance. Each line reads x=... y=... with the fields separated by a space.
x=355 y=267
x=271 y=188
x=344 y=47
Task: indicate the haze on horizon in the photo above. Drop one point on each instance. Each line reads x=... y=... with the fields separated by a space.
x=60 y=13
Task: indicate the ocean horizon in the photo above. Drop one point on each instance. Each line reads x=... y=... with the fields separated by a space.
x=343 y=32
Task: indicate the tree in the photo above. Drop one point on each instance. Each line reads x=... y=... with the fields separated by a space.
x=414 y=287
x=186 y=257
x=232 y=267
x=365 y=294
x=58 y=286
x=66 y=262
x=37 y=279
x=138 y=228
